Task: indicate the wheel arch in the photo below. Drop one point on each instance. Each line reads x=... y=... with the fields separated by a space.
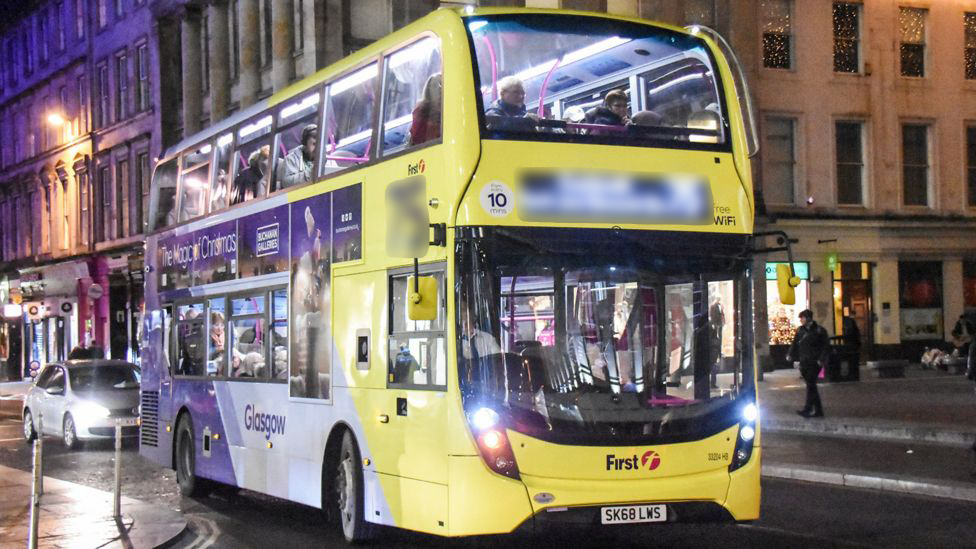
x=333 y=445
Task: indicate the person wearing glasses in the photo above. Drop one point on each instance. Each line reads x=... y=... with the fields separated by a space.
x=615 y=110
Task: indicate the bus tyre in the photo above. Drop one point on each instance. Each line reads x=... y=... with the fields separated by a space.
x=29 y=433
x=348 y=493
x=190 y=485
x=68 y=433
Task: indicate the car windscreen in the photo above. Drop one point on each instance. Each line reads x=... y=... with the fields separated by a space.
x=104 y=377
x=593 y=80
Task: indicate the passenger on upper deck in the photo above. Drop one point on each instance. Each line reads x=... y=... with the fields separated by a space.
x=296 y=167
x=511 y=99
x=427 y=114
x=613 y=111
x=252 y=181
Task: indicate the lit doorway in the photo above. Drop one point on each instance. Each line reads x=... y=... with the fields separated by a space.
x=853 y=308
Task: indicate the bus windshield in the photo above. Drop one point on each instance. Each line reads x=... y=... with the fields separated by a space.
x=578 y=341
x=587 y=79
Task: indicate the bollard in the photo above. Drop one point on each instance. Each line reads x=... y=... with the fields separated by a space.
x=117 y=500
x=36 y=487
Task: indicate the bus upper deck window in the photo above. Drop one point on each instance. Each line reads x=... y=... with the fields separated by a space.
x=348 y=132
x=218 y=189
x=251 y=161
x=296 y=142
x=413 y=96
x=162 y=203
x=194 y=182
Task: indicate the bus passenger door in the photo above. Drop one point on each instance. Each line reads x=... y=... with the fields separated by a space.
x=415 y=445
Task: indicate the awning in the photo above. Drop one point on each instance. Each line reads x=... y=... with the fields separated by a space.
x=56 y=279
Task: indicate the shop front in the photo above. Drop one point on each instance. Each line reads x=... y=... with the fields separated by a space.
x=784 y=319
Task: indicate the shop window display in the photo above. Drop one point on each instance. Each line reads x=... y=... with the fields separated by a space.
x=783 y=319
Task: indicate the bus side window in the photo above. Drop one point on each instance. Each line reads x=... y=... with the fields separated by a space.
x=413 y=96
x=194 y=182
x=418 y=351
x=221 y=178
x=162 y=203
x=348 y=133
x=251 y=161
x=279 y=334
x=248 y=331
x=296 y=142
x=190 y=345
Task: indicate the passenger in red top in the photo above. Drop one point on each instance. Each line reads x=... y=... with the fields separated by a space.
x=427 y=114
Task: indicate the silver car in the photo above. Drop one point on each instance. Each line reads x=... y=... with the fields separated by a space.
x=80 y=400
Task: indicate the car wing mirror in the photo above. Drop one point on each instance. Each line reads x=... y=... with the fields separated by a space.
x=54 y=390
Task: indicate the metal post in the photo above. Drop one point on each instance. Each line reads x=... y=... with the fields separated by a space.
x=40 y=450
x=36 y=488
x=117 y=509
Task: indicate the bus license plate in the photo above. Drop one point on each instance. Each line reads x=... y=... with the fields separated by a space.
x=630 y=514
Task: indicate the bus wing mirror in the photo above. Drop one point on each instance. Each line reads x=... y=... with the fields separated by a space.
x=421 y=298
x=786 y=282
x=407 y=220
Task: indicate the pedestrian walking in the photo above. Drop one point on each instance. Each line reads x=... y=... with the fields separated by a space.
x=810 y=348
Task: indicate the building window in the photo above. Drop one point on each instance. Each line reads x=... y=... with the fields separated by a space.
x=82 y=104
x=102 y=14
x=28 y=50
x=84 y=219
x=265 y=32
x=971 y=164
x=920 y=297
x=59 y=24
x=777 y=37
x=63 y=132
x=80 y=19
x=122 y=198
x=234 y=34
x=42 y=35
x=915 y=164
x=205 y=53
x=46 y=217
x=103 y=95
x=119 y=9
x=850 y=163
x=912 y=23
x=143 y=173
x=11 y=63
x=142 y=67
x=121 y=86
x=970 y=24
x=299 y=29
x=103 y=205
x=65 y=216
x=779 y=181
x=847 y=33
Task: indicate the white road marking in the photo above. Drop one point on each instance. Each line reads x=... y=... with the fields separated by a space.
x=210 y=535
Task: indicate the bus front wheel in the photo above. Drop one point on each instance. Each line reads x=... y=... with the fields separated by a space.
x=348 y=493
x=190 y=484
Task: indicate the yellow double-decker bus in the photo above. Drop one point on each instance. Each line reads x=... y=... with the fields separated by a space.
x=492 y=272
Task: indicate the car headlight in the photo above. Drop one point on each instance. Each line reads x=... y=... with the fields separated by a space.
x=89 y=410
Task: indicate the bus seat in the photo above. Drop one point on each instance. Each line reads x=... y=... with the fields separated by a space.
x=647 y=118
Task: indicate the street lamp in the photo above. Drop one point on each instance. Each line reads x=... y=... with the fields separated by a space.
x=55 y=119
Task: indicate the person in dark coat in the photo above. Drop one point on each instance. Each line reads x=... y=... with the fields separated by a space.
x=810 y=348
x=511 y=99
x=613 y=111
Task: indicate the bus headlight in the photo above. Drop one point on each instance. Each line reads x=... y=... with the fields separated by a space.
x=484 y=418
x=747 y=433
x=750 y=412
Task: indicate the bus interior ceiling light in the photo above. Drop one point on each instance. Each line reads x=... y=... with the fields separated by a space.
x=300 y=106
x=353 y=80
x=572 y=57
x=205 y=149
x=475 y=25
x=419 y=50
x=259 y=125
x=225 y=140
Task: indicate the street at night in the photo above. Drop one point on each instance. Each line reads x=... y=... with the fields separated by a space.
x=794 y=514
